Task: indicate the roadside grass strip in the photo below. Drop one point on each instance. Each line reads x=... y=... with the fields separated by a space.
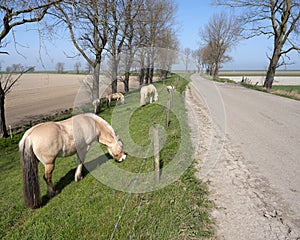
x=91 y=209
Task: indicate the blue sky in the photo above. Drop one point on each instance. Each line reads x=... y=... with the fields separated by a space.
x=250 y=54
x=192 y=15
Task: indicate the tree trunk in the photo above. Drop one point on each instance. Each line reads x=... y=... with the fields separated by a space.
x=3 y=129
x=151 y=70
x=115 y=67
x=142 y=71
x=216 y=71
x=165 y=73
x=147 y=75
x=151 y=74
x=126 y=81
x=96 y=77
x=270 y=77
x=272 y=69
x=114 y=85
x=142 y=76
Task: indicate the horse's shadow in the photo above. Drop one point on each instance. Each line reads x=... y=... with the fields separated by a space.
x=69 y=177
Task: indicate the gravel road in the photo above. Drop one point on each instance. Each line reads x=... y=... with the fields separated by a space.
x=251 y=160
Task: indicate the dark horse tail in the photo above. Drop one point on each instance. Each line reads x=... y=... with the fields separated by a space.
x=31 y=187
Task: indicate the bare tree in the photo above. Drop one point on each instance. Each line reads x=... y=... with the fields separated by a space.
x=120 y=15
x=207 y=59
x=219 y=36
x=60 y=67
x=198 y=57
x=77 y=66
x=88 y=25
x=156 y=20
x=14 y=13
x=130 y=40
x=278 y=20
x=7 y=81
x=16 y=67
x=167 y=53
x=186 y=57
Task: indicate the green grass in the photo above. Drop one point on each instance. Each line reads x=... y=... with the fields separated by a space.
x=288 y=88
x=282 y=73
x=287 y=91
x=90 y=209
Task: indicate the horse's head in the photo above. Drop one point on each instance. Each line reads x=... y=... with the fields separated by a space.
x=117 y=152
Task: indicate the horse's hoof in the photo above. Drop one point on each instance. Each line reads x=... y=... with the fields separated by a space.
x=79 y=178
x=52 y=194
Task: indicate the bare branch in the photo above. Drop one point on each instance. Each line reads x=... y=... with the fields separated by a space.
x=10 y=18
x=10 y=83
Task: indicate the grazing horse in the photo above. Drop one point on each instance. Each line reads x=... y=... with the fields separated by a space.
x=114 y=96
x=148 y=91
x=96 y=103
x=46 y=141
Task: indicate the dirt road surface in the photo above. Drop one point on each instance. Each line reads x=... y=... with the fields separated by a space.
x=251 y=161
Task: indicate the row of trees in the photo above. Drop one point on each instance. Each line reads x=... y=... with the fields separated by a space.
x=98 y=28
x=278 y=20
x=113 y=28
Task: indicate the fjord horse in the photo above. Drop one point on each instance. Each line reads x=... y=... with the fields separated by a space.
x=46 y=141
x=148 y=91
x=96 y=104
x=114 y=96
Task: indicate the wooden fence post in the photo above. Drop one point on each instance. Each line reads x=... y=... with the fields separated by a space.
x=156 y=154
x=168 y=114
x=169 y=106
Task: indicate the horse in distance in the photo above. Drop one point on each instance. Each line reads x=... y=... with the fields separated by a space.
x=148 y=91
x=47 y=141
x=114 y=96
x=96 y=104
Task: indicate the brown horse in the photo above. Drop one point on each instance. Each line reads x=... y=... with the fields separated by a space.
x=114 y=96
x=46 y=141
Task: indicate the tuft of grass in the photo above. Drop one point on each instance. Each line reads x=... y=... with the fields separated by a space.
x=91 y=210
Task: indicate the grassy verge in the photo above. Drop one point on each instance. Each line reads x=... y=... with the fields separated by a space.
x=292 y=92
x=90 y=210
x=241 y=73
x=288 y=91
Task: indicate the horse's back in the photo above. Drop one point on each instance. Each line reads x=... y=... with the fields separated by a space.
x=87 y=127
x=42 y=132
x=45 y=140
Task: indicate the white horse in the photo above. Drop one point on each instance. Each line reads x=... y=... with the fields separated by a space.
x=47 y=141
x=148 y=91
x=96 y=103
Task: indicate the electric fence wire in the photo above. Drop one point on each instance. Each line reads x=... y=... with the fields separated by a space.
x=129 y=195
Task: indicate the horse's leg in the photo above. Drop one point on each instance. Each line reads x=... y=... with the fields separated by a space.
x=78 y=175
x=80 y=160
x=151 y=98
x=48 y=178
